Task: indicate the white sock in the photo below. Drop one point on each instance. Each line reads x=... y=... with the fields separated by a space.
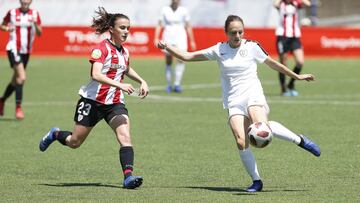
x=179 y=72
x=248 y=160
x=283 y=133
x=168 y=74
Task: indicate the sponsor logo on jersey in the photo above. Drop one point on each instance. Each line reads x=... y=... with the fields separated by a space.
x=117 y=66
x=96 y=54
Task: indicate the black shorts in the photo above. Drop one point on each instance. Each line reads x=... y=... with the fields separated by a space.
x=16 y=58
x=89 y=112
x=286 y=44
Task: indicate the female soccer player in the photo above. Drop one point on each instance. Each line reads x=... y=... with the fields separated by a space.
x=288 y=35
x=103 y=96
x=176 y=22
x=22 y=24
x=242 y=92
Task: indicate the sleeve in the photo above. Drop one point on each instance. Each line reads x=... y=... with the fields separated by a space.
x=7 y=18
x=186 y=15
x=259 y=53
x=98 y=54
x=211 y=53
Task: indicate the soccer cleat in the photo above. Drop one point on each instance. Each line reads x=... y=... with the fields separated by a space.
x=49 y=138
x=2 y=103
x=19 y=113
x=168 y=89
x=255 y=187
x=132 y=182
x=294 y=93
x=309 y=145
x=177 y=89
x=286 y=94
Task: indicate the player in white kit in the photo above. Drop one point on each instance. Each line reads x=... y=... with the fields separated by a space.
x=175 y=20
x=242 y=92
x=103 y=96
x=22 y=24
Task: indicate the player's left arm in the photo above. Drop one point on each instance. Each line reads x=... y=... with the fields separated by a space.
x=190 y=33
x=37 y=24
x=285 y=70
x=144 y=89
x=306 y=2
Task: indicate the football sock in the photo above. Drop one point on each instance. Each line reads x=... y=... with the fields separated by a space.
x=283 y=133
x=18 y=94
x=296 y=70
x=248 y=160
x=179 y=72
x=61 y=136
x=8 y=91
x=168 y=74
x=126 y=155
x=282 y=82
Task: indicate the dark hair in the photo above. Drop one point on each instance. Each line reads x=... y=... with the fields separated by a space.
x=231 y=18
x=104 y=20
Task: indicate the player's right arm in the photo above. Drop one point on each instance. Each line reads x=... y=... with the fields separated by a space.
x=101 y=78
x=181 y=54
x=276 y=3
x=157 y=32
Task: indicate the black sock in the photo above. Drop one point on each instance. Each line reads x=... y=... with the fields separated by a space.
x=296 y=70
x=8 y=91
x=18 y=94
x=61 y=136
x=282 y=82
x=126 y=155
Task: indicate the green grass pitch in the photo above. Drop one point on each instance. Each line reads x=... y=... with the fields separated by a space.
x=183 y=147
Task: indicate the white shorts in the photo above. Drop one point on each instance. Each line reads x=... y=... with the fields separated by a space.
x=243 y=107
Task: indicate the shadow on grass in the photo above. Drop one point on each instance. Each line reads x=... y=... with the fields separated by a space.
x=8 y=120
x=81 y=185
x=242 y=191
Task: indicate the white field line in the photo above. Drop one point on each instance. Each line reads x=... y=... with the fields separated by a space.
x=352 y=99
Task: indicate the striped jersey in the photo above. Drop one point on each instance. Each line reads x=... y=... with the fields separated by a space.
x=22 y=37
x=115 y=62
x=289 y=20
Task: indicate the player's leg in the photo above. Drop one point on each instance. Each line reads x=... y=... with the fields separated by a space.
x=281 y=50
x=19 y=79
x=238 y=124
x=168 y=72
x=299 y=62
x=302 y=141
x=121 y=126
x=179 y=72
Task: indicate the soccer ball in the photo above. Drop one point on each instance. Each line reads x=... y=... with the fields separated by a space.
x=260 y=134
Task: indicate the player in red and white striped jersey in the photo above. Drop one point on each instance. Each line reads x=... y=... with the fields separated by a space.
x=288 y=39
x=22 y=24
x=103 y=96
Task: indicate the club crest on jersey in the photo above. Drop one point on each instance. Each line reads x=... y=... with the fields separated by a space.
x=243 y=52
x=96 y=54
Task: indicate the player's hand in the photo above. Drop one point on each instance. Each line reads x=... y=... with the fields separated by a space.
x=307 y=77
x=128 y=88
x=193 y=45
x=156 y=41
x=144 y=90
x=161 y=45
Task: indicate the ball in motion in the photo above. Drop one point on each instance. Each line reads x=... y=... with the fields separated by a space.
x=260 y=134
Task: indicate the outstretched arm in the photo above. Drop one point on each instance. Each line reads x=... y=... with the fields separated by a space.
x=283 y=69
x=181 y=54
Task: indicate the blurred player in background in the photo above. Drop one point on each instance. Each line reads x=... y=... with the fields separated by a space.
x=103 y=96
x=242 y=91
x=22 y=24
x=175 y=20
x=288 y=35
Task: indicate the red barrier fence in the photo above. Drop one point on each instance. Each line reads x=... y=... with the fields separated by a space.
x=80 y=40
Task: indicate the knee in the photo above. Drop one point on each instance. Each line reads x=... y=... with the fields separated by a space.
x=20 y=80
x=124 y=139
x=74 y=144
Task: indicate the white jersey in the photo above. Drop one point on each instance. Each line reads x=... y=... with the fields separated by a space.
x=22 y=37
x=289 y=20
x=174 y=26
x=116 y=62
x=238 y=67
